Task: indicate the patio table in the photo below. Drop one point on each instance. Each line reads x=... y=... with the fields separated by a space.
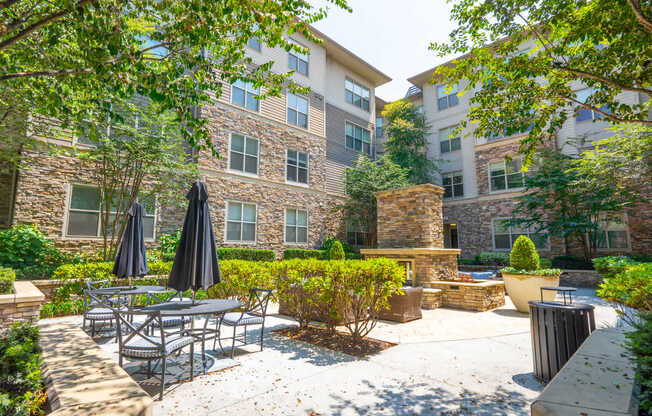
x=133 y=291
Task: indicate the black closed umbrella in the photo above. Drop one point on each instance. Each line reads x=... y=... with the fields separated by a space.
x=131 y=259
x=196 y=264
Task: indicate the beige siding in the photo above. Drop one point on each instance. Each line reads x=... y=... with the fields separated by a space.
x=335 y=177
x=316 y=114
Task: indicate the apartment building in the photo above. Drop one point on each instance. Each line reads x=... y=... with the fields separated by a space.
x=481 y=187
x=281 y=172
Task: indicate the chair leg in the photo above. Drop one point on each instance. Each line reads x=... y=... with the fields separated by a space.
x=233 y=342
x=163 y=363
x=92 y=328
x=149 y=368
x=192 y=361
x=120 y=360
x=262 y=331
x=245 y=335
x=84 y=323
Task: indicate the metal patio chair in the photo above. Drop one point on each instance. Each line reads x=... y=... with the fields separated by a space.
x=170 y=322
x=137 y=344
x=99 y=307
x=254 y=313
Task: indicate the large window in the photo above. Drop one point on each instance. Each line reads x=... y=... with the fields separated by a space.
x=84 y=213
x=613 y=235
x=584 y=113
x=356 y=94
x=241 y=222
x=244 y=95
x=358 y=138
x=505 y=175
x=243 y=156
x=298 y=61
x=447 y=98
x=297 y=166
x=296 y=226
x=356 y=235
x=449 y=141
x=453 y=185
x=505 y=236
x=297 y=111
x=254 y=43
x=379 y=127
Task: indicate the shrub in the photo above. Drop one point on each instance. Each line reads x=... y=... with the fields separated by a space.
x=22 y=245
x=571 y=262
x=169 y=244
x=492 y=259
x=610 y=266
x=21 y=389
x=466 y=261
x=62 y=308
x=35 y=272
x=329 y=241
x=545 y=263
x=336 y=252
x=524 y=255
x=640 y=345
x=631 y=287
x=302 y=253
x=252 y=254
x=7 y=278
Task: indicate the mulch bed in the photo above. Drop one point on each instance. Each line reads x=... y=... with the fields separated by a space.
x=339 y=341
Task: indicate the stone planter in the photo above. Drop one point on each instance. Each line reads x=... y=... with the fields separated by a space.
x=403 y=308
x=523 y=288
x=476 y=295
x=22 y=305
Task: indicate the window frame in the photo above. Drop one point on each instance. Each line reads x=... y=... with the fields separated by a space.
x=98 y=235
x=449 y=139
x=293 y=54
x=246 y=92
x=362 y=142
x=452 y=175
x=243 y=172
x=354 y=94
x=594 y=115
x=379 y=126
x=453 y=93
x=226 y=222
x=505 y=175
x=296 y=226
x=357 y=231
x=287 y=108
x=287 y=160
x=511 y=234
x=260 y=44
x=609 y=227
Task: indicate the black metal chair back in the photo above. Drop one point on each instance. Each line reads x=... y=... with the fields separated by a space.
x=126 y=325
x=258 y=301
x=98 y=284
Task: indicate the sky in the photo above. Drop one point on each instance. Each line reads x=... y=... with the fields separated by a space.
x=391 y=35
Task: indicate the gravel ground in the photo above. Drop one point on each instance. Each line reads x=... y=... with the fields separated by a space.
x=448 y=363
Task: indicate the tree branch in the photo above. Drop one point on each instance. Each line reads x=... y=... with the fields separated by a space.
x=638 y=12
x=584 y=74
x=36 y=26
x=53 y=73
x=604 y=113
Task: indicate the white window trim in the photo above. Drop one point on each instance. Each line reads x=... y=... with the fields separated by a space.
x=228 y=158
x=361 y=85
x=493 y=237
x=64 y=231
x=289 y=182
x=244 y=107
x=452 y=174
x=307 y=60
x=453 y=127
x=506 y=190
x=226 y=222
x=371 y=139
x=287 y=106
x=285 y=225
x=447 y=95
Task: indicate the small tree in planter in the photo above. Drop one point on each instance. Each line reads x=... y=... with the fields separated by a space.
x=524 y=278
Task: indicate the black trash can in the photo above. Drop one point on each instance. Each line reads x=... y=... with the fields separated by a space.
x=558 y=330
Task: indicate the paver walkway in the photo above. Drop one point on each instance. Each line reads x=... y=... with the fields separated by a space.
x=448 y=363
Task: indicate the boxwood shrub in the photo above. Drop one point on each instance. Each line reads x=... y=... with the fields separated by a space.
x=304 y=253
x=492 y=259
x=251 y=254
x=7 y=278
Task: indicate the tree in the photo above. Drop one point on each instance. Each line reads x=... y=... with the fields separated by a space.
x=563 y=201
x=141 y=156
x=62 y=59
x=362 y=180
x=604 y=45
x=406 y=130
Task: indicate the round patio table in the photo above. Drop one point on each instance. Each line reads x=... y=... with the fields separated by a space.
x=133 y=290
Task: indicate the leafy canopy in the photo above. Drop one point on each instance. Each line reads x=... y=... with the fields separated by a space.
x=602 y=44
x=407 y=130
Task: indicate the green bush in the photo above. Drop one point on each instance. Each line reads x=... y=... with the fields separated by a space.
x=22 y=245
x=571 y=262
x=21 y=388
x=545 y=263
x=631 y=286
x=251 y=254
x=524 y=255
x=492 y=259
x=538 y=272
x=62 y=308
x=640 y=345
x=7 y=278
x=303 y=253
x=35 y=272
x=169 y=244
x=336 y=252
x=610 y=266
x=329 y=241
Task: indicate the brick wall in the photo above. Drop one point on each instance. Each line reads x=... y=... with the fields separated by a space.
x=22 y=305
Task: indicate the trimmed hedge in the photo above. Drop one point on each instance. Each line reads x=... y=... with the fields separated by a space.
x=524 y=255
x=304 y=253
x=251 y=254
x=7 y=278
x=571 y=262
x=492 y=259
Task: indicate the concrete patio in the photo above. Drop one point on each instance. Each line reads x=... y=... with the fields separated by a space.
x=450 y=362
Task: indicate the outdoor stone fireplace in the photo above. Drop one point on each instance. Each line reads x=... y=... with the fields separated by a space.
x=411 y=231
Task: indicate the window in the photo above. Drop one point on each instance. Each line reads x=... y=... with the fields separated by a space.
x=356 y=94
x=297 y=166
x=613 y=235
x=254 y=44
x=84 y=213
x=448 y=140
x=356 y=235
x=379 y=127
x=505 y=236
x=244 y=95
x=296 y=226
x=584 y=113
x=357 y=138
x=297 y=111
x=505 y=175
x=446 y=98
x=298 y=61
x=453 y=185
x=240 y=221
x=243 y=156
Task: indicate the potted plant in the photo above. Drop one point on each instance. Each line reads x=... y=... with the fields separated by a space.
x=524 y=278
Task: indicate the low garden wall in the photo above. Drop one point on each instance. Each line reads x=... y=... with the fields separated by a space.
x=573 y=278
x=22 y=305
x=478 y=296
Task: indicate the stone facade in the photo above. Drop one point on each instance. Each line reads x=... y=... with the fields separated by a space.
x=431 y=298
x=23 y=305
x=473 y=296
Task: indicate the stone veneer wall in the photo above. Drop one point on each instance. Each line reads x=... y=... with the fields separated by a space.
x=481 y=296
x=410 y=217
x=23 y=305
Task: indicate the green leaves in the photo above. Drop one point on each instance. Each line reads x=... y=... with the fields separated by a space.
x=524 y=255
